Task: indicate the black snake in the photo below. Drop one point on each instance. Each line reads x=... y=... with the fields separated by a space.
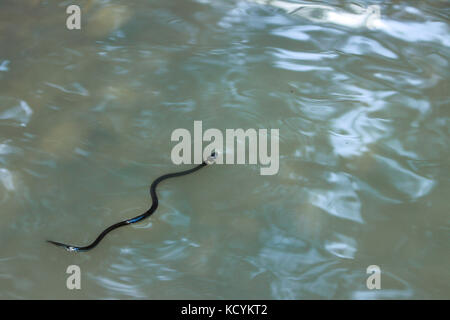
x=142 y=216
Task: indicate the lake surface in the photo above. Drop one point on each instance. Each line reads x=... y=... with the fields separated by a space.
x=361 y=101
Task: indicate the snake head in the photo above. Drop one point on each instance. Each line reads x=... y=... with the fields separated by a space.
x=212 y=158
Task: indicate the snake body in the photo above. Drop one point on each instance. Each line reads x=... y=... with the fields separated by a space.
x=142 y=216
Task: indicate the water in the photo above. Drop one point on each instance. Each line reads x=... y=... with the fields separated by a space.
x=86 y=118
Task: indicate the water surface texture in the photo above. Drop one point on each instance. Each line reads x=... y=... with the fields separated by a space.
x=359 y=92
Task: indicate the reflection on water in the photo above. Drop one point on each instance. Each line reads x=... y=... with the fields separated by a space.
x=358 y=92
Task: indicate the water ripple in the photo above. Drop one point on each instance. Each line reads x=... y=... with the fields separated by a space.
x=359 y=93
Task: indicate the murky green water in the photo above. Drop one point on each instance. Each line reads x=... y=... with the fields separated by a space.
x=86 y=118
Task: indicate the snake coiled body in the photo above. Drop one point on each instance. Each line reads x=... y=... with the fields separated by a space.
x=140 y=217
